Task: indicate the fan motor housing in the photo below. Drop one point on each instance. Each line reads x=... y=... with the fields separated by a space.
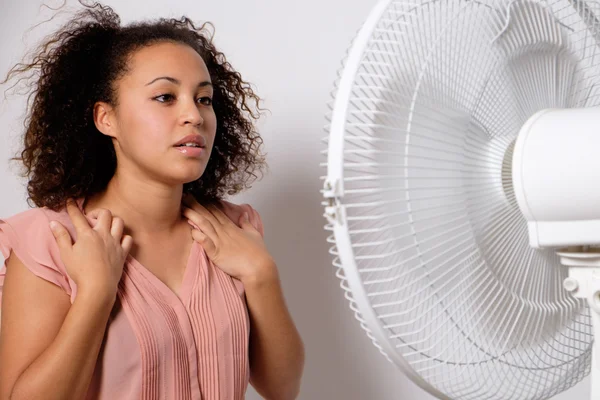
x=556 y=176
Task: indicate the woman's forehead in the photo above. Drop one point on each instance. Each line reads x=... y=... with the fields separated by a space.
x=174 y=60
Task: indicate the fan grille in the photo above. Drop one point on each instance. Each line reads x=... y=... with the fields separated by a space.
x=441 y=248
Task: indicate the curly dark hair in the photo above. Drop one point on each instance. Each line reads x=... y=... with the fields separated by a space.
x=65 y=156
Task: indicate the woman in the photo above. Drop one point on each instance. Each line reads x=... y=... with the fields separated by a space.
x=133 y=278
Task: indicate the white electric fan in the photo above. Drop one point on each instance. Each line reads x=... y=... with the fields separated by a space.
x=463 y=192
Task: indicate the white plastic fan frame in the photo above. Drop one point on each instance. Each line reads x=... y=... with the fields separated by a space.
x=334 y=190
x=335 y=212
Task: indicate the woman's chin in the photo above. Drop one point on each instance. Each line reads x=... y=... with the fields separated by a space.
x=193 y=177
x=183 y=177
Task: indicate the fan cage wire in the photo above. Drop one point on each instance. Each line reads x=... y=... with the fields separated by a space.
x=521 y=337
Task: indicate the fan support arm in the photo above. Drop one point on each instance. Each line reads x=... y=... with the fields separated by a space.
x=584 y=283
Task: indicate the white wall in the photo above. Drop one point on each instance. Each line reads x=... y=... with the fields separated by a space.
x=291 y=51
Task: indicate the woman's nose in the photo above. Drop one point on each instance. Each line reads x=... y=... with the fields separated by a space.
x=191 y=114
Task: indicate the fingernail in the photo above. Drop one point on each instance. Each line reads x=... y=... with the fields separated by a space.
x=53 y=225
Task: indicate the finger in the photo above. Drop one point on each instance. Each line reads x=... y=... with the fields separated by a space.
x=218 y=214
x=205 y=241
x=126 y=243
x=62 y=236
x=191 y=203
x=202 y=222
x=77 y=218
x=244 y=221
x=103 y=218
x=117 y=227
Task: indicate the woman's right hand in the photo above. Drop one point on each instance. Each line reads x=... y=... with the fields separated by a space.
x=95 y=261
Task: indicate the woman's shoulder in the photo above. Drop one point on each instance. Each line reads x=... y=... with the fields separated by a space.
x=28 y=235
x=35 y=219
x=30 y=229
x=235 y=211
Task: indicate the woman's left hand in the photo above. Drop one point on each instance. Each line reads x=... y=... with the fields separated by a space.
x=237 y=250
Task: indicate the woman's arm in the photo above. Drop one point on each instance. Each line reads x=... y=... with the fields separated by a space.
x=238 y=249
x=48 y=347
x=276 y=349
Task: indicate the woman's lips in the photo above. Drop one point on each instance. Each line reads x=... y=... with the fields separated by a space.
x=190 y=151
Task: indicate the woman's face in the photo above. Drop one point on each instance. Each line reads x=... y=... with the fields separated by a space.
x=165 y=97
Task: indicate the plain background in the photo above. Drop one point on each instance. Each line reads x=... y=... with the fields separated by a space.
x=290 y=51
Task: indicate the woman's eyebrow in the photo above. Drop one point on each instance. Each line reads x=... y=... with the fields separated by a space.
x=177 y=81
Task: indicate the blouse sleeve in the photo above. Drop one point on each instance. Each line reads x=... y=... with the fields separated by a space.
x=28 y=236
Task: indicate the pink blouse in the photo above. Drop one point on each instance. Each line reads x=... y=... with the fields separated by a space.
x=157 y=345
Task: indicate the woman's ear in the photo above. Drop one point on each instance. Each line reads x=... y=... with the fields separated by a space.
x=104 y=119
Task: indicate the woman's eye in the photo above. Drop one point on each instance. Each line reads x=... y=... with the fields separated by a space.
x=164 y=98
x=207 y=101
x=167 y=98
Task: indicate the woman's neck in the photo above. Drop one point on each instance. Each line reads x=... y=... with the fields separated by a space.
x=147 y=208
